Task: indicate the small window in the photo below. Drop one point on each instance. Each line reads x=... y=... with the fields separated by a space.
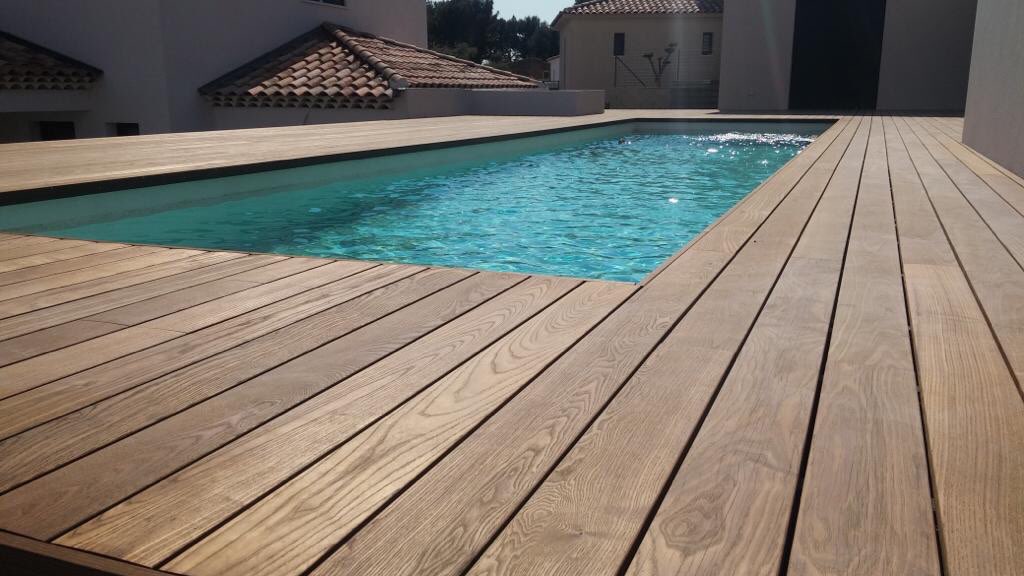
x=331 y=2
x=56 y=131
x=707 y=43
x=125 y=129
x=620 y=44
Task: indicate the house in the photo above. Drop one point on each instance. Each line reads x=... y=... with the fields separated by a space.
x=892 y=55
x=643 y=53
x=157 y=66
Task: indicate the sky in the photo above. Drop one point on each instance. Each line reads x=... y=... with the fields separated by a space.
x=546 y=9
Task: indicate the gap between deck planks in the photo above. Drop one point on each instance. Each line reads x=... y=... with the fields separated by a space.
x=525 y=481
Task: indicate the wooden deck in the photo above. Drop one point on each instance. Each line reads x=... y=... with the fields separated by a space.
x=828 y=381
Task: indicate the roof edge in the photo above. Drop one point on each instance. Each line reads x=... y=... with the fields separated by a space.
x=52 y=53
x=433 y=53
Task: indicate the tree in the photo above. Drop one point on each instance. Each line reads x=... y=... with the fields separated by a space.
x=470 y=29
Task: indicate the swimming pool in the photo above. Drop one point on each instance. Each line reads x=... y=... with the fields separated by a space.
x=606 y=203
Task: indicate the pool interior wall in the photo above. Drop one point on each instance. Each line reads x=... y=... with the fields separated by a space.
x=98 y=216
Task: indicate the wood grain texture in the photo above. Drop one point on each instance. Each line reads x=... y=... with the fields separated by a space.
x=726 y=510
x=158 y=265
x=50 y=339
x=50 y=283
x=50 y=445
x=584 y=517
x=972 y=408
x=305 y=433
x=221 y=324
x=31 y=245
x=75 y=258
x=1009 y=189
x=289 y=530
x=865 y=507
x=62 y=321
x=22 y=556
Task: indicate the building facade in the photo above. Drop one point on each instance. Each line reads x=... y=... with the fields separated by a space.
x=888 y=55
x=643 y=53
x=150 y=58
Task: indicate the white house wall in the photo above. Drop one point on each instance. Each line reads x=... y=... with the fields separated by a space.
x=155 y=54
x=588 y=62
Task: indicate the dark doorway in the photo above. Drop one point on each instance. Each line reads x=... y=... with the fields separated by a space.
x=837 y=53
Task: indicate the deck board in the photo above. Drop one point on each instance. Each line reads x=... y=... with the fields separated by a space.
x=782 y=396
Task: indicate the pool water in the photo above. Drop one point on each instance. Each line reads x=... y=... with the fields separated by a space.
x=612 y=207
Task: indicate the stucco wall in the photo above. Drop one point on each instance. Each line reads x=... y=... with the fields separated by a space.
x=994 y=123
x=757 y=53
x=155 y=54
x=423 y=103
x=588 y=63
x=926 y=54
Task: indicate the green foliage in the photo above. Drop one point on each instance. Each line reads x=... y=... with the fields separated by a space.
x=470 y=29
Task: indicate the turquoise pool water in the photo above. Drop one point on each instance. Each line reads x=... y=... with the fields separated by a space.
x=609 y=204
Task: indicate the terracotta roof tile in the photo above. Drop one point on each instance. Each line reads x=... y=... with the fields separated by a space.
x=644 y=7
x=27 y=66
x=333 y=67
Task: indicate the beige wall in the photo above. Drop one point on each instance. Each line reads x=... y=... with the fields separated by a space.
x=587 y=61
x=757 y=52
x=994 y=123
x=155 y=54
x=926 y=54
x=422 y=103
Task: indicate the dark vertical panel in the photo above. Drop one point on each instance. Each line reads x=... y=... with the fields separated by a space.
x=837 y=53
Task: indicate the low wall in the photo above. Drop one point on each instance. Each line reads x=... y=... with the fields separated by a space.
x=425 y=103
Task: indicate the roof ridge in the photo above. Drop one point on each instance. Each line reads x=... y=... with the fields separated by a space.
x=344 y=35
x=349 y=31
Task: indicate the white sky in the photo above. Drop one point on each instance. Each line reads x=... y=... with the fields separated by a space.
x=546 y=9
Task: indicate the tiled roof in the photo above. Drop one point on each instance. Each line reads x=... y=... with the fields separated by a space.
x=645 y=7
x=26 y=66
x=333 y=67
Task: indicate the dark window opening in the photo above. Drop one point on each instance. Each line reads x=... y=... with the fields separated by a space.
x=620 y=44
x=331 y=2
x=49 y=130
x=126 y=129
x=707 y=43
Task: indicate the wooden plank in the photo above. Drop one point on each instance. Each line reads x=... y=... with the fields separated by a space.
x=50 y=283
x=321 y=505
x=55 y=443
x=159 y=265
x=972 y=408
x=185 y=290
x=865 y=507
x=34 y=245
x=585 y=516
x=71 y=265
x=1008 y=189
x=133 y=293
x=996 y=278
x=726 y=510
x=252 y=313
x=22 y=556
x=441 y=529
x=86 y=249
x=955 y=182
x=50 y=339
x=300 y=436
x=27 y=246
